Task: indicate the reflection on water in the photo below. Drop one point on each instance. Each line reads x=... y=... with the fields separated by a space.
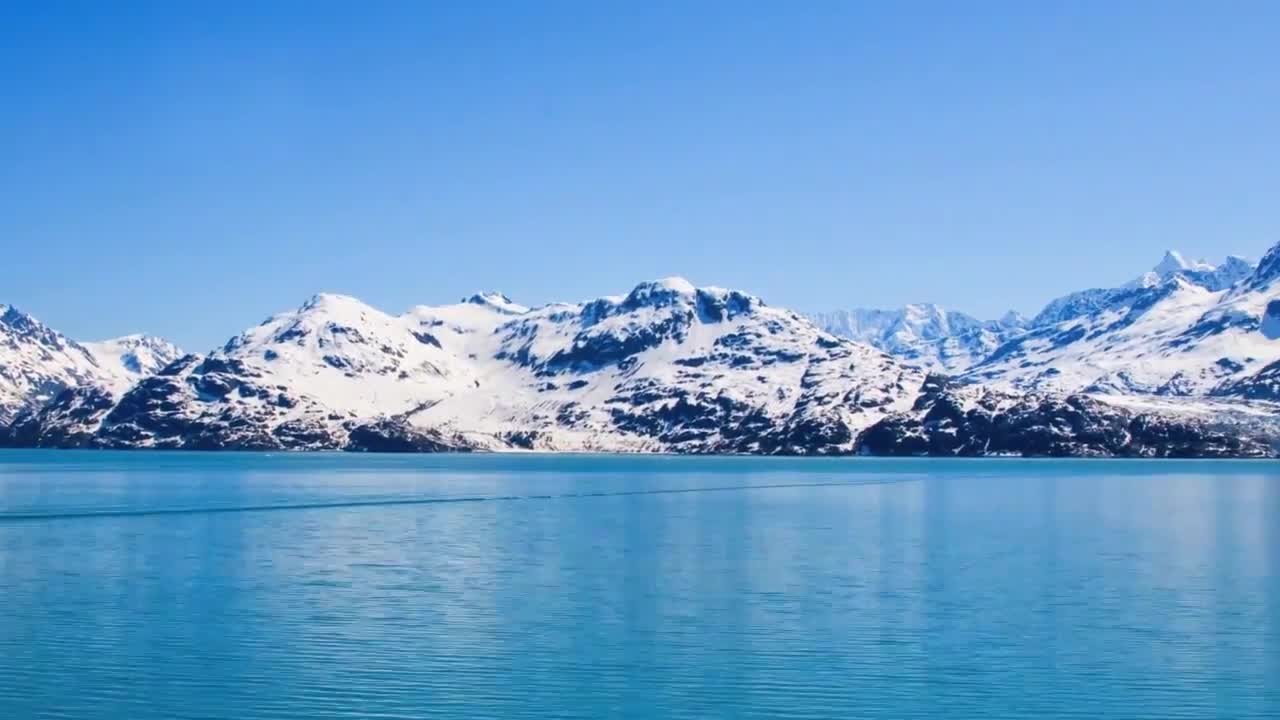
x=635 y=587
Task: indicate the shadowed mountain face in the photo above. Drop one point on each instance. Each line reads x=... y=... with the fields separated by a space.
x=672 y=367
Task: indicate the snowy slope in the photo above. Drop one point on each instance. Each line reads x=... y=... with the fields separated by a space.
x=37 y=362
x=671 y=366
x=132 y=357
x=1182 y=329
x=1213 y=278
x=666 y=367
x=925 y=335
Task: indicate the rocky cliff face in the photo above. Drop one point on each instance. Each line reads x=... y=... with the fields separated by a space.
x=956 y=420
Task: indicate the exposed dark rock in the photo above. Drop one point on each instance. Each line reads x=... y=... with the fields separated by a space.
x=68 y=421
x=399 y=437
x=974 y=422
x=1262 y=385
x=426 y=338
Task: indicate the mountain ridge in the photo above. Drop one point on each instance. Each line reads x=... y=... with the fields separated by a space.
x=37 y=362
x=673 y=367
x=943 y=340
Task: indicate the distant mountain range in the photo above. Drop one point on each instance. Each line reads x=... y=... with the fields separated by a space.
x=1182 y=328
x=924 y=334
x=1183 y=361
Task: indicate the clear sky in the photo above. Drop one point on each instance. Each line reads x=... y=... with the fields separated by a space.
x=186 y=172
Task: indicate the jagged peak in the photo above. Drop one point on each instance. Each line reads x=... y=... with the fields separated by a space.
x=28 y=326
x=1268 y=268
x=1201 y=272
x=1173 y=262
x=12 y=316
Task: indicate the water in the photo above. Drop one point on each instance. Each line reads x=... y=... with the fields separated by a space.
x=177 y=585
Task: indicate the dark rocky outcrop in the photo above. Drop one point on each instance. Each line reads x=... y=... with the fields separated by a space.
x=394 y=436
x=70 y=420
x=949 y=420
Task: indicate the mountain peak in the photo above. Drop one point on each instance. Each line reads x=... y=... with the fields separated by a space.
x=1013 y=319
x=1172 y=262
x=1268 y=268
x=26 y=326
x=674 y=283
x=665 y=291
x=329 y=300
x=1204 y=274
x=496 y=301
x=13 y=317
x=136 y=354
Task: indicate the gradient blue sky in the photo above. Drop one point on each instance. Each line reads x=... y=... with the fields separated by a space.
x=188 y=171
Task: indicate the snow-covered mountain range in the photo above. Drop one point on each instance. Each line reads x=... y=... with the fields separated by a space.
x=1184 y=360
x=36 y=362
x=1181 y=328
x=925 y=334
x=666 y=367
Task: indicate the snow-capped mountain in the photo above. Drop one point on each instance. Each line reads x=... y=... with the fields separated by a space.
x=1213 y=278
x=666 y=367
x=1182 y=329
x=37 y=362
x=1210 y=277
x=925 y=335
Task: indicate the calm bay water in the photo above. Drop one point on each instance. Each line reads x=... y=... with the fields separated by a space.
x=182 y=585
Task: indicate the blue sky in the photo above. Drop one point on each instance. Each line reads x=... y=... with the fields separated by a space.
x=187 y=171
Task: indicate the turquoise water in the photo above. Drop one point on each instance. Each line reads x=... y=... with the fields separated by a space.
x=182 y=585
